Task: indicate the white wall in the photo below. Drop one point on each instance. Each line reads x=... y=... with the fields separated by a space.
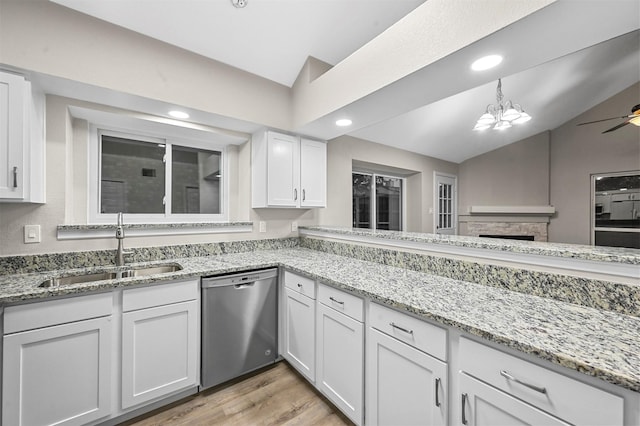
x=513 y=175
x=344 y=150
x=41 y=36
x=555 y=168
x=67 y=188
x=576 y=152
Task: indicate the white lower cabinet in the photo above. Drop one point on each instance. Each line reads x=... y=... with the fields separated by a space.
x=57 y=374
x=481 y=404
x=62 y=363
x=299 y=332
x=160 y=341
x=499 y=388
x=299 y=323
x=404 y=386
x=340 y=351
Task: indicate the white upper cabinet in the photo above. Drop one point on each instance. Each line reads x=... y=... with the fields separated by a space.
x=21 y=141
x=313 y=173
x=287 y=171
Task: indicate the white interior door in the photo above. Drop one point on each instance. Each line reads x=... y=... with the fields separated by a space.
x=445 y=212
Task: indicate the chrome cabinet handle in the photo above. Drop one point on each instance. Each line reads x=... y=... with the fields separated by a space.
x=295 y=194
x=304 y=195
x=508 y=376
x=464 y=406
x=437 y=392
x=336 y=300
x=401 y=328
x=15 y=176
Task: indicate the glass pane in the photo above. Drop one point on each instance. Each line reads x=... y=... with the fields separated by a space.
x=388 y=203
x=196 y=181
x=361 y=200
x=132 y=176
x=616 y=209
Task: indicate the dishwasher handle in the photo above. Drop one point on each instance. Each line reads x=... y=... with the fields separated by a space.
x=239 y=279
x=245 y=285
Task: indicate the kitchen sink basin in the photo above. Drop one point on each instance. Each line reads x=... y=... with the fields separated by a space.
x=143 y=271
x=77 y=279
x=134 y=271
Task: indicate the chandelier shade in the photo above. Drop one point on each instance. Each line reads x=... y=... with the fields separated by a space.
x=502 y=113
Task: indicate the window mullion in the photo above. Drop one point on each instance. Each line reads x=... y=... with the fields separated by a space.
x=168 y=173
x=374 y=204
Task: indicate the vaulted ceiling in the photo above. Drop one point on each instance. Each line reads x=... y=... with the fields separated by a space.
x=559 y=62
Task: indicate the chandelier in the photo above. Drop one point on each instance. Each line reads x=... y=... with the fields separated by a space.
x=501 y=115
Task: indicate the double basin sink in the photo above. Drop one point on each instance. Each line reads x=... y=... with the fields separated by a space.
x=133 y=271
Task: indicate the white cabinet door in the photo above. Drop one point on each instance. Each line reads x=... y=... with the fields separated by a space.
x=481 y=404
x=12 y=136
x=313 y=173
x=404 y=385
x=159 y=351
x=340 y=361
x=299 y=332
x=57 y=375
x=283 y=170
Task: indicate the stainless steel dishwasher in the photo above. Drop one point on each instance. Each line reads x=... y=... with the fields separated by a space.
x=239 y=324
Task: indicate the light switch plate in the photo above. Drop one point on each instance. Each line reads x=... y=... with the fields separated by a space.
x=263 y=226
x=31 y=234
x=294 y=226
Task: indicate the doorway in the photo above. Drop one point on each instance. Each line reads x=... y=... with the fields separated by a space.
x=445 y=212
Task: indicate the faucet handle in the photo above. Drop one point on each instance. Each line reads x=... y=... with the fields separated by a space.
x=120 y=220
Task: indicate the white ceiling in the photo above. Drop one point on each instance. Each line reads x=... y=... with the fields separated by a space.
x=273 y=38
x=269 y=38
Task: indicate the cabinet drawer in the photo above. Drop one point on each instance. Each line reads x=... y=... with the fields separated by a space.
x=564 y=397
x=53 y=312
x=426 y=337
x=158 y=295
x=300 y=284
x=346 y=303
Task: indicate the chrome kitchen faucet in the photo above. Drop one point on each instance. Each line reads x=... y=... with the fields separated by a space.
x=120 y=253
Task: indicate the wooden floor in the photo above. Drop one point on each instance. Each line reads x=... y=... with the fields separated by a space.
x=275 y=396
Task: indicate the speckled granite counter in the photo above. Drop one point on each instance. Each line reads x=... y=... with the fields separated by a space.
x=602 y=344
x=572 y=251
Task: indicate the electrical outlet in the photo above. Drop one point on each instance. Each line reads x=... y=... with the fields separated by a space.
x=31 y=234
x=294 y=226
x=263 y=226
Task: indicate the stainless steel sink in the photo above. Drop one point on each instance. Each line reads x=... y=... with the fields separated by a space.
x=77 y=279
x=143 y=271
x=134 y=271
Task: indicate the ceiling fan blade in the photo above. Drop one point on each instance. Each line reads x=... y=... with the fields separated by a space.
x=605 y=119
x=616 y=127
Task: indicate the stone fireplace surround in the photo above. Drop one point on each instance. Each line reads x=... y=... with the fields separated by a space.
x=536 y=229
x=507 y=220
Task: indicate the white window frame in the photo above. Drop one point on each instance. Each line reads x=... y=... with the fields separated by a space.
x=94 y=153
x=374 y=210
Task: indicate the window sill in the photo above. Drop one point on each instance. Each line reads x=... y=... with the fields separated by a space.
x=83 y=232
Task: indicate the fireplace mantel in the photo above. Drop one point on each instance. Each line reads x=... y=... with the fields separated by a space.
x=512 y=210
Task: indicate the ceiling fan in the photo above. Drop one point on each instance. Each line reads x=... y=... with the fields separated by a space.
x=633 y=118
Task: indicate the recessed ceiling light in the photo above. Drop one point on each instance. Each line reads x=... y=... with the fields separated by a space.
x=343 y=122
x=178 y=114
x=486 y=62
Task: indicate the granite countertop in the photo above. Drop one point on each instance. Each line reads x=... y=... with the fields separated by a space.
x=572 y=251
x=598 y=343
